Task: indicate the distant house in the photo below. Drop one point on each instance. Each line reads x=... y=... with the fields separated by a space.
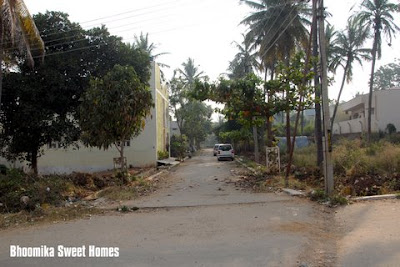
x=385 y=109
x=139 y=151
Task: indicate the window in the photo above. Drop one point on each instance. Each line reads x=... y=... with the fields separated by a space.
x=225 y=147
x=51 y=145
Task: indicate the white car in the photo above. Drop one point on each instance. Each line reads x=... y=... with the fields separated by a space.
x=225 y=151
x=215 y=150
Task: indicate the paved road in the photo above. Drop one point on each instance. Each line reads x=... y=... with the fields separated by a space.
x=370 y=234
x=198 y=220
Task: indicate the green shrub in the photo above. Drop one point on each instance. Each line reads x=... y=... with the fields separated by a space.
x=163 y=154
x=391 y=129
x=3 y=169
x=179 y=145
x=338 y=200
x=318 y=195
x=40 y=190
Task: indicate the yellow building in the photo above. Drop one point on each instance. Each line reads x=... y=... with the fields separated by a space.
x=139 y=151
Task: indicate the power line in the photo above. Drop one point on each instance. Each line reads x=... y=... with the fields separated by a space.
x=35 y=48
x=97 y=24
x=282 y=32
x=99 y=45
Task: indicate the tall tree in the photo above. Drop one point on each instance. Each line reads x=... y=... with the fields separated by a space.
x=18 y=32
x=190 y=73
x=244 y=61
x=377 y=15
x=196 y=121
x=39 y=105
x=278 y=28
x=142 y=41
x=387 y=76
x=243 y=64
x=348 y=50
x=114 y=109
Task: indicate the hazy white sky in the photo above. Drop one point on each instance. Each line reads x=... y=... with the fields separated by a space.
x=200 y=29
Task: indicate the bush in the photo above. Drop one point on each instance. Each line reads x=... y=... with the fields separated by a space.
x=179 y=146
x=3 y=169
x=318 y=195
x=163 y=155
x=338 y=200
x=15 y=184
x=391 y=129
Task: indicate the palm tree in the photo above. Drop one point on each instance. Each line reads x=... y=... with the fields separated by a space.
x=142 y=42
x=331 y=47
x=377 y=15
x=17 y=32
x=190 y=73
x=244 y=60
x=346 y=51
x=277 y=27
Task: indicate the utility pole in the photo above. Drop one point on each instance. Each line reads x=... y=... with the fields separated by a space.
x=318 y=117
x=328 y=168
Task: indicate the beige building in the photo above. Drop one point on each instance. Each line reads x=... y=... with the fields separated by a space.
x=139 y=151
x=385 y=109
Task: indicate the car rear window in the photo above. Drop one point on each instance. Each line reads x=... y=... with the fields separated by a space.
x=225 y=147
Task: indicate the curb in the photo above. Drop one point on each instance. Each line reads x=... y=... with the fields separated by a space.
x=294 y=193
x=244 y=165
x=377 y=197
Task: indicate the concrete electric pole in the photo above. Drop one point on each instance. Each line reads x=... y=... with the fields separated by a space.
x=328 y=168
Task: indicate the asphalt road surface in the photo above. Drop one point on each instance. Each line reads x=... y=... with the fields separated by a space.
x=200 y=219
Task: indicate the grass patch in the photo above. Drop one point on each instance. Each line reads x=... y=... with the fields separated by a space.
x=136 y=188
x=46 y=215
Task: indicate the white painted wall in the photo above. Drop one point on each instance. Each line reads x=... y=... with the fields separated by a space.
x=386 y=110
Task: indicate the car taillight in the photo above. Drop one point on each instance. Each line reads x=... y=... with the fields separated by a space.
x=233 y=151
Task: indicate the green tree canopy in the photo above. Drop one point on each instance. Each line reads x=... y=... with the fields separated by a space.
x=114 y=109
x=387 y=76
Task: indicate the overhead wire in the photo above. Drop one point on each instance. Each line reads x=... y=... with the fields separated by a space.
x=103 y=22
x=283 y=31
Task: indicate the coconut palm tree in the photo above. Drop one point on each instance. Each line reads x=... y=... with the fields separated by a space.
x=142 y=41
x=190 y=73
x=277 y=27
x=18 y=32
x=244 y=61
x=346 y=51
x=377 y=16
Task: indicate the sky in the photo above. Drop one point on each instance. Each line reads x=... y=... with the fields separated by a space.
x=201 y=29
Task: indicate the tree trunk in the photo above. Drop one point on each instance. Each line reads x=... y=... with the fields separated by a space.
x=34 y=162
x=121 y=153
x=302 y=123
x=340 y=93
x=371 y=84
x=288 y=134
x=1 y=60
x=255 y=139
